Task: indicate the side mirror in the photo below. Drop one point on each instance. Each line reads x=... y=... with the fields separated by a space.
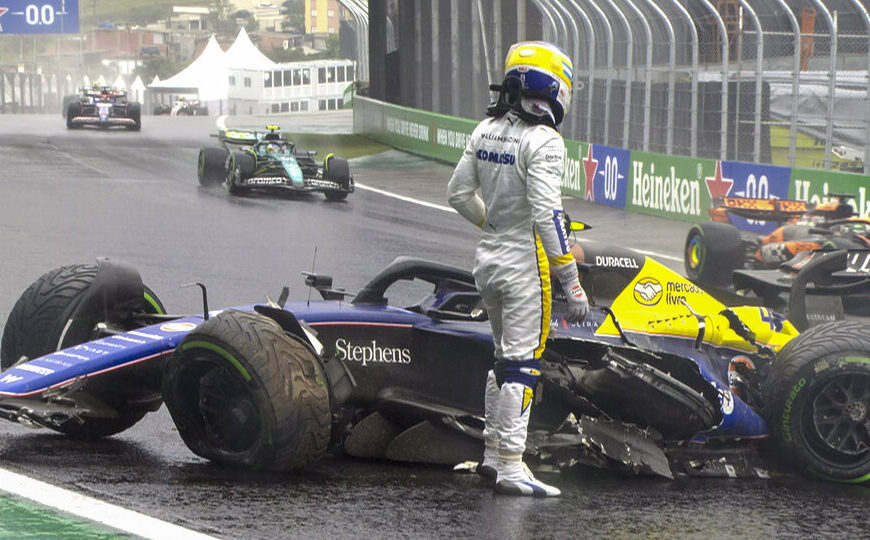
x=572 y=225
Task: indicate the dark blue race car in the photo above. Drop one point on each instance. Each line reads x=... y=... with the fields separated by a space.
x=103 y=107
x=661 y=378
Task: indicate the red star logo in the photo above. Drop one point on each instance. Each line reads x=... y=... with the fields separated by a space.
x=3 y=11
x=590 y=165
x=717 y=185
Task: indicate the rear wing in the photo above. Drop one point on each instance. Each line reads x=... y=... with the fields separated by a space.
x=761 y=209
x=104 y=92
x=233 y=136
x=838 y=273
x=250 y=137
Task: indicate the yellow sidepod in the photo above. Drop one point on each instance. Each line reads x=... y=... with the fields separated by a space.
x=769 y=327
x=661 y=302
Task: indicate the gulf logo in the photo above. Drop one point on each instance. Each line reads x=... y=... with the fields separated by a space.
x=648 y=291
x=178 y=327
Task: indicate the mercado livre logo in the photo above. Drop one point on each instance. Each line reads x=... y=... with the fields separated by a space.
x=648 y=291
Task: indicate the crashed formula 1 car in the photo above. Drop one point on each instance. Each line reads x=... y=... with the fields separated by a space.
x=659 y=379
x=713 y=250
x=264 y=161
x=104 y=107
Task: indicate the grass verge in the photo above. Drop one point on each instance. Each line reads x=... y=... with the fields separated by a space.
x=343 y=145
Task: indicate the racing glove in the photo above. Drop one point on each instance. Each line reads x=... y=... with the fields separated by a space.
x=578 y=305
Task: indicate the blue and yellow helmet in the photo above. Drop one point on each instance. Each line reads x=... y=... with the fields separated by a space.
x=545 y=71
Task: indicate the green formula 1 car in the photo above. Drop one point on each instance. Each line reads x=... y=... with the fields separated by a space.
x=248 y=161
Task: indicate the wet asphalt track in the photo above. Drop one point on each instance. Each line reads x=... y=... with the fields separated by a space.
x=68 y=197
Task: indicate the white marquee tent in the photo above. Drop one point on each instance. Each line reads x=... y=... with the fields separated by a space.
x=137 y=89
x=243 y=54
x=207 y=77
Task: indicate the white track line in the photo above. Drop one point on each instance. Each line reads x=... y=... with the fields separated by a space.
x=128 y=521
x=404 y=198
x=221 y=124
x=448 y=209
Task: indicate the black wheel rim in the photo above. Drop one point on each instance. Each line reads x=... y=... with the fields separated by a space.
x=841 y=417
x=229 y=412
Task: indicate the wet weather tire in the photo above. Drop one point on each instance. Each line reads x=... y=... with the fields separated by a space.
x=244 y=394
x=66 y=101
x=212 y=165
x=36 y=321
x=338 y=170
x=73 y=109
x=818 y=401
x=40 y=323
x=241 y=167
x=134 y=112
x=712 y=252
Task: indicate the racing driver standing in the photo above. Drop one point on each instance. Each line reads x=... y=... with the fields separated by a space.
x=507 y=183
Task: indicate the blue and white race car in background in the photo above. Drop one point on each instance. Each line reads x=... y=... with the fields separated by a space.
x=104 y=107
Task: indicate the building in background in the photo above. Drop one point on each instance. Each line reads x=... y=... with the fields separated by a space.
x=188 y=18
x=318 y=85
x=242 y=80
x=268 y=16
x=321 y=17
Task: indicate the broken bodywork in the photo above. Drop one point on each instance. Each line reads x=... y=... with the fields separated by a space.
x=661 y=378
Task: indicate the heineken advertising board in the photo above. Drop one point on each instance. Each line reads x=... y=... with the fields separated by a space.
x=667 y=186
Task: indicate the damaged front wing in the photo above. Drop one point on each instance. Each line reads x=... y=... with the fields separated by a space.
x=58 y=406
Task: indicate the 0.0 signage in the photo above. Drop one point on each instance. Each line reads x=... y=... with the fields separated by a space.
x=39 y=17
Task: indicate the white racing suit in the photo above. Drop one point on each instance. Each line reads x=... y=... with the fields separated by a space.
x=507 y=182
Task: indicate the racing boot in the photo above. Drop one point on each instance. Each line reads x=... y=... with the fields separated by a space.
x=514 y=477
x=487 y=467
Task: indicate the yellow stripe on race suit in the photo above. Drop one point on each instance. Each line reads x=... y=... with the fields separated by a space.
x=561 y=259
x=540 y=55
x=528 y=394
x=544 y=275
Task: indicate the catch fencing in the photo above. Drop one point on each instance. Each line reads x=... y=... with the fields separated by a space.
x=33 y=91
x=761 y=81
x=780 y=82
